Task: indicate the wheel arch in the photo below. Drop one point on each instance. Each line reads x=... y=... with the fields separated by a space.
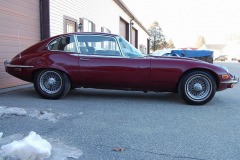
x=215 y=76
x=40 y=69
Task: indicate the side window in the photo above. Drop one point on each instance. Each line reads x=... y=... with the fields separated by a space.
x=103 y=45
x=107 y=44
x=66 y=44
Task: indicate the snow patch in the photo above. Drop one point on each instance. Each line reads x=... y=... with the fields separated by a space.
x=1 y=134
x=46 y=115
x=59 y=150
x=41 y=115
x=12 y=111
x=31 y=147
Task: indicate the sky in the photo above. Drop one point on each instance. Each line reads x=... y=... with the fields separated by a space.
x=184 y=20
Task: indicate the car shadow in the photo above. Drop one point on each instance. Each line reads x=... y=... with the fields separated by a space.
x=123 y=95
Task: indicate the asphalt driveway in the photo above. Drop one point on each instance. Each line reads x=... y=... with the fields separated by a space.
x=148 y=126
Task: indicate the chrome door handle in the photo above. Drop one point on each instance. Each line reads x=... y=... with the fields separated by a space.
x=83 y=59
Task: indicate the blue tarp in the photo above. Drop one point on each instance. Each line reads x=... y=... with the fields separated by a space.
x=193 y=53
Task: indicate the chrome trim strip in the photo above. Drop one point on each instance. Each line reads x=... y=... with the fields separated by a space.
x=76 y=44
x=235 y=80
x=114 y=37
x=100 y=56
x=7 y=64
x=17 y=66
x=77 y=55
x=119 y=46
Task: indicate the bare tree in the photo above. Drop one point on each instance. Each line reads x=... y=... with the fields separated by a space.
x=163 y=45
x=200 y=41
x=156 y=36
x=170 y=44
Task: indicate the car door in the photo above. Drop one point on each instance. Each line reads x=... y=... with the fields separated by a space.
x=102 y=64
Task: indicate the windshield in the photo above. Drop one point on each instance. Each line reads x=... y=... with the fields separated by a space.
x=128 y=50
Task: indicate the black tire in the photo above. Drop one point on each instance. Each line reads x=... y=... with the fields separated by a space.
x=51 y=84
x=197 y=87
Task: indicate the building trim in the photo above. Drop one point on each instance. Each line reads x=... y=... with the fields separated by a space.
x=45 y=19
x=148 y=46
x=127 y=10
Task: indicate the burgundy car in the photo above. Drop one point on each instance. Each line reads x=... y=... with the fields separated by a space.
x=107 y=61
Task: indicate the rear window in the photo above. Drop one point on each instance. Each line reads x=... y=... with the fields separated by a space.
x=65 y=44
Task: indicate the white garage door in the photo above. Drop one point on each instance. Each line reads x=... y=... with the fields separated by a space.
x=22 y=14
x=123 y=26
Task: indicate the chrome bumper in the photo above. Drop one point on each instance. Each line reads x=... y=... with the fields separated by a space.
x=8 y=65
x=235 y=80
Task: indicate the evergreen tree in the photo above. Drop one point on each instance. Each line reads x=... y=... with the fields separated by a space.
x=156 y=36
x=200 y=42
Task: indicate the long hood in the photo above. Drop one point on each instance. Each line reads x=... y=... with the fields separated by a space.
x=178 y=58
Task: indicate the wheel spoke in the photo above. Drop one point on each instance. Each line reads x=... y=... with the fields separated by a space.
x=198 y=87
x=50 y=82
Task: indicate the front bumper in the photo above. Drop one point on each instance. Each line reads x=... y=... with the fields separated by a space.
x=234 y=80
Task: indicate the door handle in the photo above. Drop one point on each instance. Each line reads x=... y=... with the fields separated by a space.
x=83 y=59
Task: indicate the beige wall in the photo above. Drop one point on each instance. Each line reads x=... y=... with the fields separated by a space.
x=104 y=13
x=25 y=15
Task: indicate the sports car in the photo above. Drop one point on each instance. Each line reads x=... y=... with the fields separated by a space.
x=108 y=61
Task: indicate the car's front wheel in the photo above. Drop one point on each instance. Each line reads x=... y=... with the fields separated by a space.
x=197 y=87
x=51 y=84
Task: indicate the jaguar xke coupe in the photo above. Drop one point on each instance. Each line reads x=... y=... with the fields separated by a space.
x=107 y=61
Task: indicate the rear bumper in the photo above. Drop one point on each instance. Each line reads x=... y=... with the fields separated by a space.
x=8 y=65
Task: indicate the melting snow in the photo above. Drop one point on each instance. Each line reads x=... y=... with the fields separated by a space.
x=42 y=115
x=31 y=147
x=60 y=151
x=12 y=111
x=46 y=115
x=36 y=147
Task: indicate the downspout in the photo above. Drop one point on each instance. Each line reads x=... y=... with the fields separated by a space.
x=131 y=30
x=40 y=10
x=44 y=19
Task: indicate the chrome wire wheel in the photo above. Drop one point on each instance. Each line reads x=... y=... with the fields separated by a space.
x=198 y=87
x=51 y=82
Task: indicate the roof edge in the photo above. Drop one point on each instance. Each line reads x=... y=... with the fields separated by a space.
x=127 y=10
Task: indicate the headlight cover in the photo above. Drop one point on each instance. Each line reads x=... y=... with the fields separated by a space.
x=223 y=67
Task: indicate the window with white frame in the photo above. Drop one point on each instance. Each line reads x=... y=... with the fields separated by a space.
x=87 y=26
x=70 y=25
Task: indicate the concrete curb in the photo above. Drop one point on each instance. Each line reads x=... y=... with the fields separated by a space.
x=5 y=90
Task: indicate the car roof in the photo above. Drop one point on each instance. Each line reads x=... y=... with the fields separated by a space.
x=90 y=33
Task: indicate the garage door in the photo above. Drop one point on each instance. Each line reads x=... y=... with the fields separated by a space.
x=134 y=37
x=22 y=14
x=124 y=29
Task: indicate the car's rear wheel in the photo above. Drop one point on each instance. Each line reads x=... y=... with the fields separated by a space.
x=51 y=84
x=197 y=87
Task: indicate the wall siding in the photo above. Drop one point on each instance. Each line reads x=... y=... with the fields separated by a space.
x=104 y=13
x=25 y=15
